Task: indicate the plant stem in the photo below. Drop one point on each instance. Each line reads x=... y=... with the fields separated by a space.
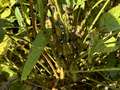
x=33 y=20
x=52 y=67
x=95 y=20
x=97 y=70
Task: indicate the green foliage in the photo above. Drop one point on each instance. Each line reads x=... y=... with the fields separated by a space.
x=37 y=48
x=19 y=19
x=5 y=3
x=17 y=85
x=3 y=24
x=4 y=45
x=110 y=21
x=7 y=69
x=6 y=13
x=41 y=9
x=59 y=44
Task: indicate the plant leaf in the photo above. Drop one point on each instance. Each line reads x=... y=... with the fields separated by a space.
x=41 y=9
x=12 y=2
x=110 y=21
x=37 y=48
x=4 y=45
x=2 y=33
x=6 y=13
x=19 y=19
x=110 y=42
x=5 y=23
x=80 y=3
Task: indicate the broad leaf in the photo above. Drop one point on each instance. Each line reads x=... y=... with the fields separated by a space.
x=105 y=47
x=99 y=46
x=6 y=13
x=37 y=48
x=110 y=21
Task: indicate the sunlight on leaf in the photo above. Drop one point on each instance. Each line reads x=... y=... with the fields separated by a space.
x=110 y=42
x=7 y=69
x=19 y=18
x=12 y=2
x=4 y=45
x=80 y=3
x=49 y=13
x=6 y=13
x=4 y=3
x=69 y=2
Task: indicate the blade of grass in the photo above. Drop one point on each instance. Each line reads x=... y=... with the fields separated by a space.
x=37 y=49
x=95 y=20
x=97 y=70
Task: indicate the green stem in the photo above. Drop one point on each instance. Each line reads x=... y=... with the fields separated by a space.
x=97 y=70
x=95 y=20
x=59 y=11
x=88 y=14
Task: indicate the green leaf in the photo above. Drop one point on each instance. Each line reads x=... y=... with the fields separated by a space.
x=2 y=33
x=110 y=21
x=107 y=46
x=17 y=85
x=100 y=46
x=49 y=13
x=69 y=2
x=4 y=45
x=19 y=19
x=4 y=3
x=73 y=68
x=78 y=3
x=6 y=13
x=12 y=2
x=41 y=9
x=37 y=48
x=5 y=23
x=7 y=69
x=81 y=3
x=110 y=42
